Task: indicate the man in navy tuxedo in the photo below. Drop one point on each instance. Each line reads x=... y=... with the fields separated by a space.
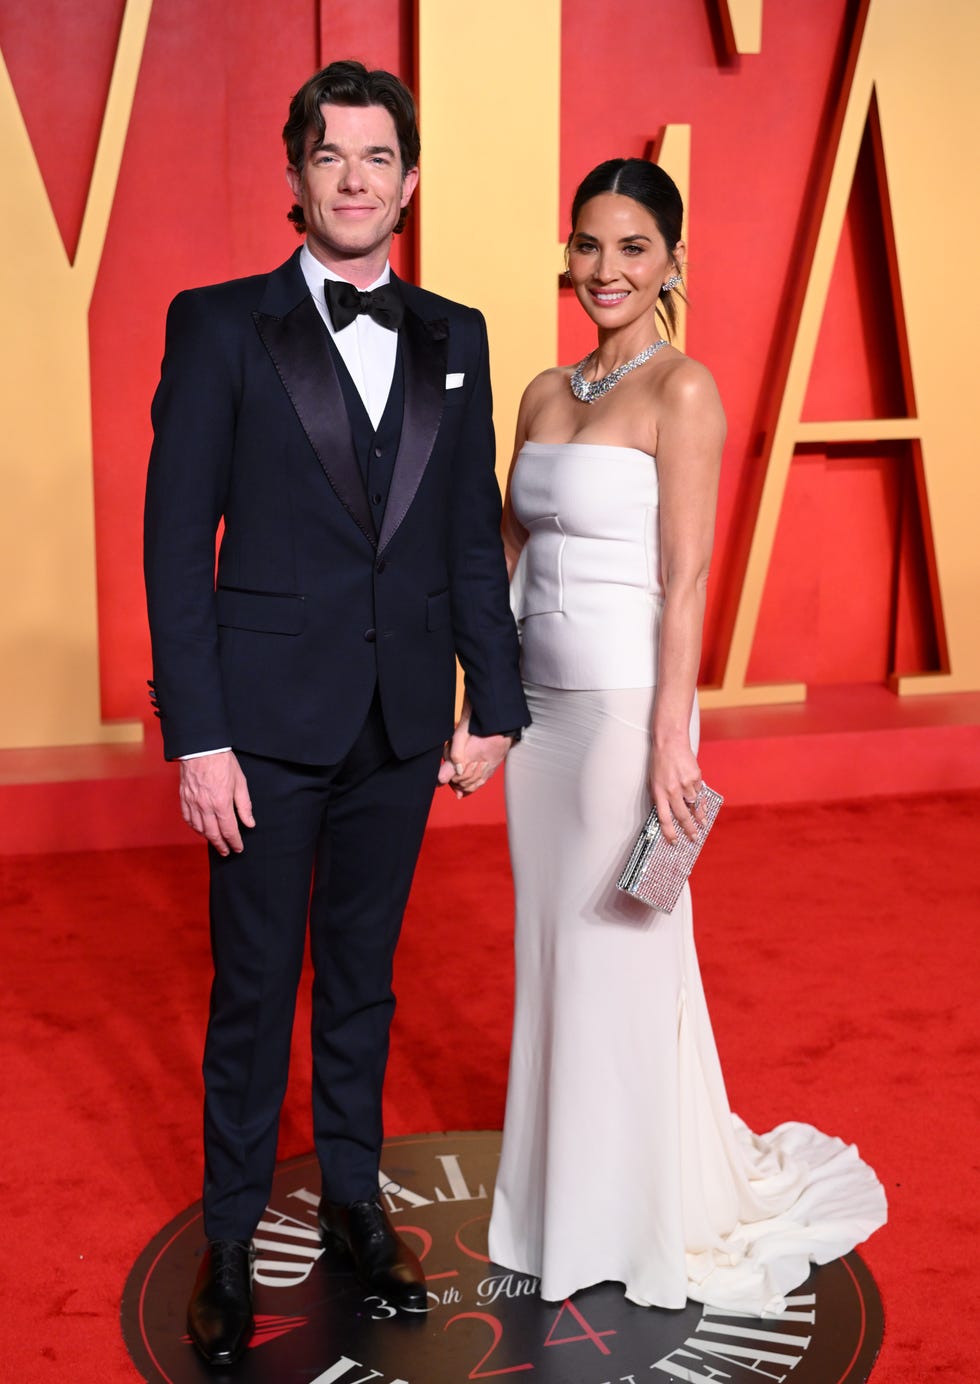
x=337 y=420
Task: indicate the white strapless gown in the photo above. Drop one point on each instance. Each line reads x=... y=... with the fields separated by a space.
x=621 y=1158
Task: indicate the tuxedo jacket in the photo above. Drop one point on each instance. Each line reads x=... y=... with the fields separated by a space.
x=313 y=605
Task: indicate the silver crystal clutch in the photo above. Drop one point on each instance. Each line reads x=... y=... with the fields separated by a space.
x=655 y=871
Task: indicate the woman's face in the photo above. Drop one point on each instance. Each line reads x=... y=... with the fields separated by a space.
x=618 y=260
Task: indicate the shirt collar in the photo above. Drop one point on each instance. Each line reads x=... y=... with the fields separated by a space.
x=314 y=273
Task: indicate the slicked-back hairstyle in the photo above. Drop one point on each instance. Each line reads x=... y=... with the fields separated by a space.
x=648 y=184
x=349 y=83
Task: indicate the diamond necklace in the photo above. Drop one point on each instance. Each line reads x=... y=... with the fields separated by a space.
x=590 y=390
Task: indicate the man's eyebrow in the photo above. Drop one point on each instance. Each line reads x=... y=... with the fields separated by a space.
x=326 y=147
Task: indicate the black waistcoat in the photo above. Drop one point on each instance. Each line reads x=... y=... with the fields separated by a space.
x=376 y=449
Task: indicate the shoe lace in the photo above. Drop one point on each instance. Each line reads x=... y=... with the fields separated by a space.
x=228 y=1258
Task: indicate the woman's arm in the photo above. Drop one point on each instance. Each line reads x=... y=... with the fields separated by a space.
x=464 y=774
x=513 y=533
x=512 y=530
x=690 y=437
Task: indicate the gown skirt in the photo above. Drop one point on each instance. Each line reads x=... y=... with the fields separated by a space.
x=621 y=1159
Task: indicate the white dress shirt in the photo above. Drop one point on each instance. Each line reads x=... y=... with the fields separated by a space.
x=368 y=351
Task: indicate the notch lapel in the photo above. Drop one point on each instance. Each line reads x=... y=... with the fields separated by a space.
x=425 y=351
x=296 y=342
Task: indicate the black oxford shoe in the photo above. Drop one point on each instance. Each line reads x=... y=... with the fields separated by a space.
x=219 y=1315
x=382 y=1261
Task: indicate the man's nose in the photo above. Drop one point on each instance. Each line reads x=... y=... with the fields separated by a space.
x=352 y=178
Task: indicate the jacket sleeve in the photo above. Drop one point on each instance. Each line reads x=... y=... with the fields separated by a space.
x=483 y=626
x=193 y=413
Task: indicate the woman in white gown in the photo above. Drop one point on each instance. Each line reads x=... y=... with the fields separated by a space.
x=621 y=1159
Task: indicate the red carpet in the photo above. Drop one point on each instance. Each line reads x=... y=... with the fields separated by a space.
x=839 y=954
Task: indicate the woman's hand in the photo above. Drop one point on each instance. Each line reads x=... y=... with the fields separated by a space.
x=675 y=781
x=469 y=760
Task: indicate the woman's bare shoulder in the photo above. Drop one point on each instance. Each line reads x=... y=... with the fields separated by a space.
x=686 y=388
x=684 y=379
x=548 y=383
x=540 y=395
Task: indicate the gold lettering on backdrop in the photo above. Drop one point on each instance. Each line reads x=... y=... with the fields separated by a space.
x=927 y=162
x=490 y=129
x=741 y=22
x=672 y=150
x=49 y=625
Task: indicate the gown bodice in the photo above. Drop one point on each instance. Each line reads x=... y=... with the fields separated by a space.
x=588 y=591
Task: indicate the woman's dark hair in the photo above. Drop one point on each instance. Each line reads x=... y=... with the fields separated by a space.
x=349 y=83
x=648 y=184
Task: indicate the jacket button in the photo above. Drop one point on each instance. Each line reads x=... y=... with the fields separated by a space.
x=380 y=565
x=378 y=452
x=377 y=499
x=370 y=636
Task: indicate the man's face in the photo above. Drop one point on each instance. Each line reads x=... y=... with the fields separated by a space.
x=352 y=188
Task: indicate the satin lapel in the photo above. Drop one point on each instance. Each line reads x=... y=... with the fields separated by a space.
x=298 y=347
x=425 y=350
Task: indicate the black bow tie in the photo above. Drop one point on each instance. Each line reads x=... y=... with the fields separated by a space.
x=345 y=302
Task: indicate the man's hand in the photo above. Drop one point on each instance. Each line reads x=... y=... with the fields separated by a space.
x=214 y=799
x=472 y=759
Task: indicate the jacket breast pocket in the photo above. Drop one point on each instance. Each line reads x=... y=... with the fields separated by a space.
x=455 y=392
x=267 y=612
x=437 y=611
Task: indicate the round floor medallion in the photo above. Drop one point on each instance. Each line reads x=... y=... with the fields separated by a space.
x=315 y=1325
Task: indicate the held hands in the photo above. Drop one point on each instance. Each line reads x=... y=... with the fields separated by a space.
x=471 y=759
x=214 y=799
x=675 y=781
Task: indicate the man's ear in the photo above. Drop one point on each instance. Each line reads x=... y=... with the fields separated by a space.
x=409 y=183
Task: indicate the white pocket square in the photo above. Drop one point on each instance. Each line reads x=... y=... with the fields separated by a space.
x=455 y=381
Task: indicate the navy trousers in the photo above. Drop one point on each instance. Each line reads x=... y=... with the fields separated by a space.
x=336 y=845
